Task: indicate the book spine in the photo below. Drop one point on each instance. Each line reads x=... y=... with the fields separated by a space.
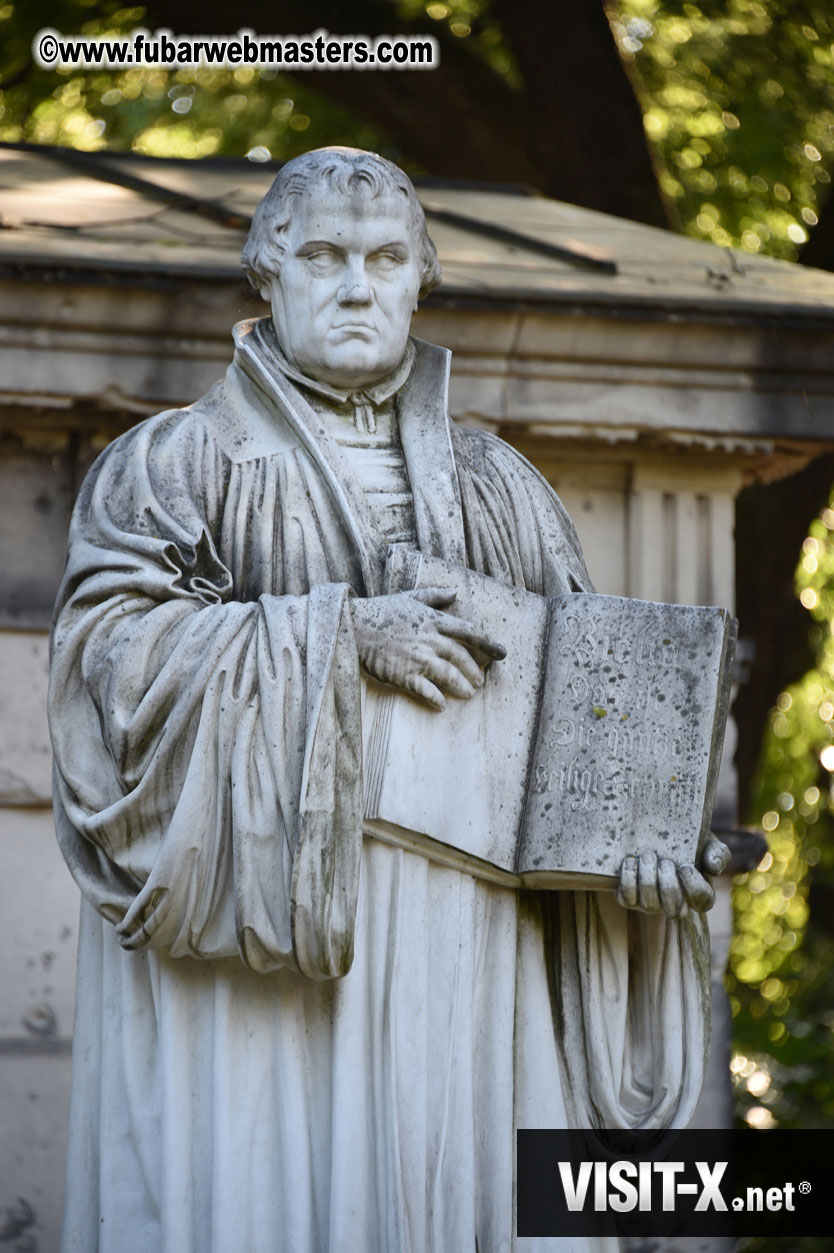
x=377 y=751
x=534 y=741
x=402 y=573
x=722 y=710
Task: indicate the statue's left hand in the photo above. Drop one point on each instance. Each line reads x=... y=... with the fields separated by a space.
x=653 y=885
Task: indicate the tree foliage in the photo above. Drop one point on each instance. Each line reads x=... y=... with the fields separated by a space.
x=473 y=116
x=782 y=957
x=154 y=111
x=737 y=100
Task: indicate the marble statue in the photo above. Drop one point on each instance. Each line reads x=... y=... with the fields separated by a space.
x=286 y=1039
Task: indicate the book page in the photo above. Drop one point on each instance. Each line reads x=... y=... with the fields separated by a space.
x=459 y=777
x=627 y=734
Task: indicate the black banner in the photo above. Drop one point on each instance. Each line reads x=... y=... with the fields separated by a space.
x=683 y=1183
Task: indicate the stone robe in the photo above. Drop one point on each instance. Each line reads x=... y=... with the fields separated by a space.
x=286 y=1041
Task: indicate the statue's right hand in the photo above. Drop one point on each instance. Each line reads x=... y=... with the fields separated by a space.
x=407 y=640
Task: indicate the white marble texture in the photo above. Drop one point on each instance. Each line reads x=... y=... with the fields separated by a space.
x=284 y=1039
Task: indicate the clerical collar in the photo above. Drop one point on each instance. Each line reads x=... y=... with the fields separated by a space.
x=363 y=400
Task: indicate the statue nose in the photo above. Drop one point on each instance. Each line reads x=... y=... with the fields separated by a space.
x=355 y=294
x=355 y=290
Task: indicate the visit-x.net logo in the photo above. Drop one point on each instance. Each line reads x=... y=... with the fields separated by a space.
x=687 y=1183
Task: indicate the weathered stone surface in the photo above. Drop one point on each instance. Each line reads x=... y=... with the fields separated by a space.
x=38 y=939
x=25 y=754
x=341 y=1060
x=597 y=738
x=454 y=785
x=34 y=1092
x=36 y=488
x=635 y=701
x=38 y=931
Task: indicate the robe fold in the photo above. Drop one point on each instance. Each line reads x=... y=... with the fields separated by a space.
x=286 y=1040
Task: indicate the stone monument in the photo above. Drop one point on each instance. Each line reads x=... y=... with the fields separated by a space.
x=290 y=1035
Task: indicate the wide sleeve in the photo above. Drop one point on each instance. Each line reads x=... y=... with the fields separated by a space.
x=207 y=750
x=629 y=991
x=631 y=1002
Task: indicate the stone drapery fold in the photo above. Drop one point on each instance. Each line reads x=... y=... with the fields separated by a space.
x=205 y=714
x=208 y=783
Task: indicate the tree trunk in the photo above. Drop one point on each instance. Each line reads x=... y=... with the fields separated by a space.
x=773 y=520
x=819 y=250
x=589 y=126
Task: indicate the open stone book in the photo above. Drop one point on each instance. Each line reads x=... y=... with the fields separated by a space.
x=597 y=737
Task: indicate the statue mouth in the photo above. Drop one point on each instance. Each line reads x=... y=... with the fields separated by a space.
x=355 y=330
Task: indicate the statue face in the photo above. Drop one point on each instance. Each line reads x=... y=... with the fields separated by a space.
x=348 y=286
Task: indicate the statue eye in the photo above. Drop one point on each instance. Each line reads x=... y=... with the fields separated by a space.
x=386 y=260
x=322 y=260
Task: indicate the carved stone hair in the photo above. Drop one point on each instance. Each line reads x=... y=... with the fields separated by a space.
x=345 y=170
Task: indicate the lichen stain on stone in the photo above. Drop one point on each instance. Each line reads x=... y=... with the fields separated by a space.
x=40 y=1020
x=14 y=1220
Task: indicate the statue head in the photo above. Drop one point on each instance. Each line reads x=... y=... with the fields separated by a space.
x=339 y=247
